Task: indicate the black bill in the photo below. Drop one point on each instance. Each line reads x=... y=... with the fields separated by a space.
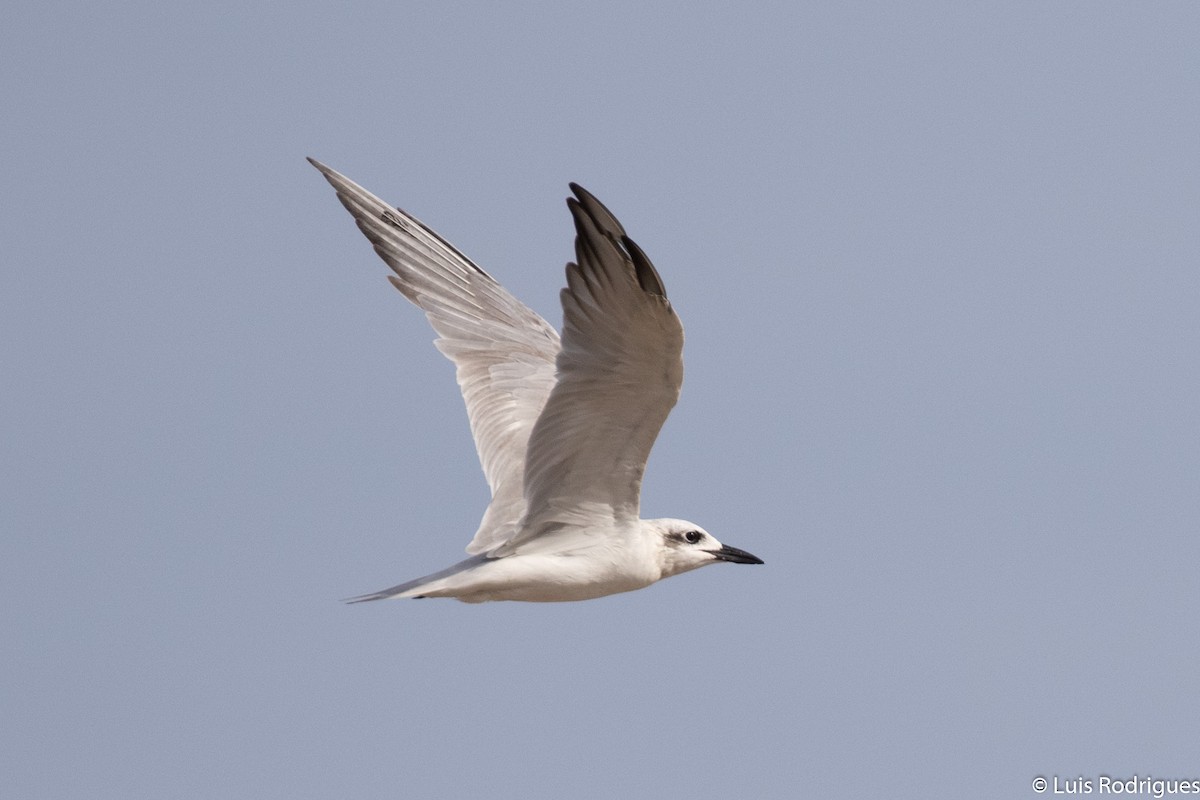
x=735 y=556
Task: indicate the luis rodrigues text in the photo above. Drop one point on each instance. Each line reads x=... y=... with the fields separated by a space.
x=1145 y=786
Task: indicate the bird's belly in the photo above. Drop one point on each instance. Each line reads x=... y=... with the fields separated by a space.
x=552 y=579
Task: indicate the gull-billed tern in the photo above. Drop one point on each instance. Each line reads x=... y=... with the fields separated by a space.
x=563 y=426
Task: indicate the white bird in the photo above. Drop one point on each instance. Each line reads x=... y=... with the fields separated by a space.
x=563 y=427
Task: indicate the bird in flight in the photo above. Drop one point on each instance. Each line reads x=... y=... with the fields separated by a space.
x=563 y=425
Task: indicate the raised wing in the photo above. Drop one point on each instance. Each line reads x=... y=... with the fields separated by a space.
x=504 y=352
x=619 y=374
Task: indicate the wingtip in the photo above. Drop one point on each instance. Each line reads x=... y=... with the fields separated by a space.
x=589 y=212
x=603 y=218
x=336 y=179
x=330 y=175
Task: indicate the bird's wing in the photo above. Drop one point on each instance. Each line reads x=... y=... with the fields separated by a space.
x=504 y=352
x=619 y=374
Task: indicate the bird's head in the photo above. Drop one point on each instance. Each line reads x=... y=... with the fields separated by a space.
x=684 y=546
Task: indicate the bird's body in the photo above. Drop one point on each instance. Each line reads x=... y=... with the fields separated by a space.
x=563 y=427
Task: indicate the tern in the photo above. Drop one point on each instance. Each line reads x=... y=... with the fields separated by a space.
x=563 y=425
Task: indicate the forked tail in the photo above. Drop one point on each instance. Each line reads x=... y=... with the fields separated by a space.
x=413 y=588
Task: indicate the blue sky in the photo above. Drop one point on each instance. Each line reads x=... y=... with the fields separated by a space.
x=939 y=268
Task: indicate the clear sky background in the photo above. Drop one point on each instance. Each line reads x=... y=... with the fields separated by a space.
x=939 y=266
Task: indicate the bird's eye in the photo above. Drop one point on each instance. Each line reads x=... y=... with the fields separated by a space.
x=693 y=536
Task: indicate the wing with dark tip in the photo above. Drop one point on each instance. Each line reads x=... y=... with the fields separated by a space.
x=619 y=374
